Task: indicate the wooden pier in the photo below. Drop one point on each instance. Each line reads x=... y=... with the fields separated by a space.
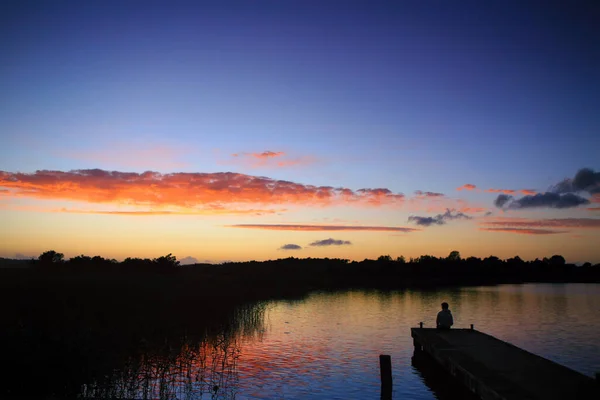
x=494 y=369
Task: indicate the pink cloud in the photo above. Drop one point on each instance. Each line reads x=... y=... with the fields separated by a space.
x=272 y=159
x=467 y=186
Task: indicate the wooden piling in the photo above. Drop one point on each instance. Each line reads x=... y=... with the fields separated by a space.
x=472 y=327
x=385 y=366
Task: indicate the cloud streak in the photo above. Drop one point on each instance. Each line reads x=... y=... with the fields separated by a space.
x=140 y=213
x=185 y=190
x=296 y=227
x=588 y=223
x=469 y=186
x=439 y=219
x=523 y=231
x=512 y=191
x=330 y=242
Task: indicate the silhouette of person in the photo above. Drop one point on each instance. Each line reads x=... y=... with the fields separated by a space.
x=444 y=318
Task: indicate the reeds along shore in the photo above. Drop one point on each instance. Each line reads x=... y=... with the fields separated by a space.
x=68 y=325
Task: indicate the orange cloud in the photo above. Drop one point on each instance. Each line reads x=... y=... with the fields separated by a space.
x=523 y=231
x=185 y=190
x=282 y=227
x=467 y=186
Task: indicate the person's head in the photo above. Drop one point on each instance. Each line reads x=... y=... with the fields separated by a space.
x=444 y=306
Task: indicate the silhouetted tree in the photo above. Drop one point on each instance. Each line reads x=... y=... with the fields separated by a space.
x=401 y=260
x=386 y=258
x=557 y=260
x=80 y=260
x=51 y=257
x=515 y=260
x=454 y=256
x=427 y=259
x=166 y=262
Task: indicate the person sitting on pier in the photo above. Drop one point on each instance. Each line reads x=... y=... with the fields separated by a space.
x=444 y=318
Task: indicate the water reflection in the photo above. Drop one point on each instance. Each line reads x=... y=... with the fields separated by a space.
x=326 y=346
x=188 y=367
x=442 y=385
x=192 y=371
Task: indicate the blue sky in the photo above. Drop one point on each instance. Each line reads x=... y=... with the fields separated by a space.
x=399 y=95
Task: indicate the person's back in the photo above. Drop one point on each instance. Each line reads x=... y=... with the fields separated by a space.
x=444 y=318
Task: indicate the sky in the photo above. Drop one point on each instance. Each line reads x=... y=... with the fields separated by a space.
x=227 y=130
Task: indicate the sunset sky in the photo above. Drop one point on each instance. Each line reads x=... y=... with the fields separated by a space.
x=267 y=129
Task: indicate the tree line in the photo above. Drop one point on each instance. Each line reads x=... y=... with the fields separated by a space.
x=324 y=273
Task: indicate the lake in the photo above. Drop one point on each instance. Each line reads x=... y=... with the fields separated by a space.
x=327 y=345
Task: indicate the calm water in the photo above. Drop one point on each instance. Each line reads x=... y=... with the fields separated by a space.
x=327 y=345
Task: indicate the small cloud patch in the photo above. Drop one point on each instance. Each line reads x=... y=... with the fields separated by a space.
x=439 y=219
x=290 y=246
x=330 y=242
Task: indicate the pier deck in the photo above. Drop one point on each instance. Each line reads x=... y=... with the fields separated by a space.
x=494 y=369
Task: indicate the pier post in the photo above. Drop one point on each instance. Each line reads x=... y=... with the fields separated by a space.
x=385 y=366
x=598 y=378
x=420 y=324
x=471 y=326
